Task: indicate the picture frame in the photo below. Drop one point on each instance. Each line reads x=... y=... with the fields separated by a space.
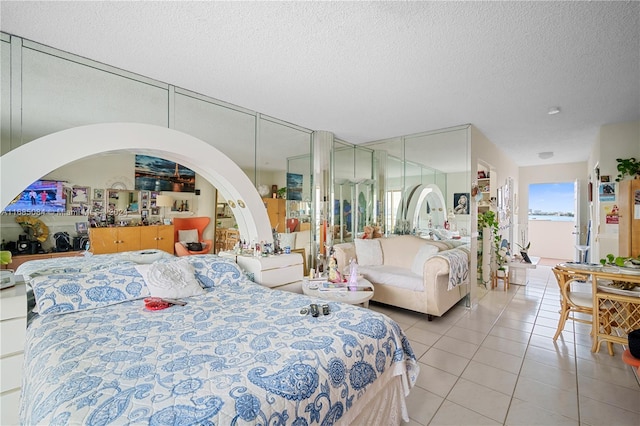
x=155 y=211
x=97 y=206
x=80 y=194
x=98 y=193
x=304 y=260
x=481 y=174
x=461 y=203
x=82 y=227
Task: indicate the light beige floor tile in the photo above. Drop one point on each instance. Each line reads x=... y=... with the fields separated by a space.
x=515 y=324
x=608 y=393
x=435 y=380
x=621 y=375
x=422 y=405
x=548 y=397
x=465 y=335
x=523 y=413
x=411 y=422
x=553 y=358
x=453 y=414
x=550 y=375
x=455 y=346
x=446 y=361
x=419 y=349
x=551 y=323
x=499 y=360
x=560 y=346
x=491 y=377
x=505 y=345
x=422 y=336
x=436 y=326
x=510 y=333
x=595 y=413
x=480 y=399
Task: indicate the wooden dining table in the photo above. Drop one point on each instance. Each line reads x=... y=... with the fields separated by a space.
x=616 y=312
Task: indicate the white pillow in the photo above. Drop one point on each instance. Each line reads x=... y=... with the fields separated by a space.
x=425 y=252
x=287 y=240
x=368 y=252
x=174 y=280
x=188 y=236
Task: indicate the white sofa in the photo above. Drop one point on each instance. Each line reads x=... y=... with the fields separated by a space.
x=410 y=272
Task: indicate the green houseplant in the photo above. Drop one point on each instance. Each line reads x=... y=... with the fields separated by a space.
x=627 y=167
x=488 y=220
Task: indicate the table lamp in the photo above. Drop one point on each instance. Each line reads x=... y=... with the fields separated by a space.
x=164 y=201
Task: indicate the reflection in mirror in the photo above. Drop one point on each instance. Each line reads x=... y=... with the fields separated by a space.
x=122 y=201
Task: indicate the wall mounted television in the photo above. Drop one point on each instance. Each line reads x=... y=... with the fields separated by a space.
x=42 y=196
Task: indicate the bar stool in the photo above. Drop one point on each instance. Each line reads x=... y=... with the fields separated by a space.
x=505 y=279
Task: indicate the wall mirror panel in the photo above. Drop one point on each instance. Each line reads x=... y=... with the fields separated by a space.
x=441 y=158
x=5 y=100
x=78 y=94
x=230 y=130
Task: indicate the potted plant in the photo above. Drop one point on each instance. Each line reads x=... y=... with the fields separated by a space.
x=282 y=192
x=627 y=167
x=488 y=220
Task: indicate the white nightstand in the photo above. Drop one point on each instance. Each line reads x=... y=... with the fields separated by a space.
x=13 y=326
x=282 y=272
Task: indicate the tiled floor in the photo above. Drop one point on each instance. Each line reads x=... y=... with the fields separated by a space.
x=496 y=364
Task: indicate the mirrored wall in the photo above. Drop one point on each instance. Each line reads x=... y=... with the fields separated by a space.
x=45 y=90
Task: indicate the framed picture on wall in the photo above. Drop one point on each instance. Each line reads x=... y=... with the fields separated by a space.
x=461 y=203
x=80 y=194
x=98 y=193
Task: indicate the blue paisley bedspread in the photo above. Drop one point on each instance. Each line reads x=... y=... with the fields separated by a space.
x=239 y=354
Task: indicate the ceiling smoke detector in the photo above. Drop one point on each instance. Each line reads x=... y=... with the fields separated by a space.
x=545 y=155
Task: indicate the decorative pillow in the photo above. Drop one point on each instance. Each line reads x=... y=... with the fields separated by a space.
x=287 y=240
x=368 y=252
x=188 y=236
x=61 y=293
x=171 y=279
x=215 y=271
x=425 y=252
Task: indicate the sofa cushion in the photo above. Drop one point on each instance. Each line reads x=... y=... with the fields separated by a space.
x=368 y=252
x=392 y=276
x=425 y=252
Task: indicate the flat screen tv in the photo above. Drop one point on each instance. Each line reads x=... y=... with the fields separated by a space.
x=42 y=196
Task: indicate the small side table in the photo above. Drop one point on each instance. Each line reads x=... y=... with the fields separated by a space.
x=519 y=270
x=361 y=297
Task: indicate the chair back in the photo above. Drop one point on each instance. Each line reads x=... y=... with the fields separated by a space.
x=187 y=223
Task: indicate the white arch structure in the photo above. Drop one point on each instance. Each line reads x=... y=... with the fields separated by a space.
x=24 y=165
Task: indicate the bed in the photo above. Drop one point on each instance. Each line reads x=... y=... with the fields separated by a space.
x=236 y=353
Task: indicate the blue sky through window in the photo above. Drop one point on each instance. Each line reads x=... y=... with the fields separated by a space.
x=551 y=197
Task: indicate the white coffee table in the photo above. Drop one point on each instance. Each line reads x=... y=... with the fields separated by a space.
x=360 y=297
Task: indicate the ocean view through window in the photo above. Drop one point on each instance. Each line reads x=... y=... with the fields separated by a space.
x=552 y=201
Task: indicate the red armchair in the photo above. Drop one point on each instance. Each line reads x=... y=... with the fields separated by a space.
x=189 y=224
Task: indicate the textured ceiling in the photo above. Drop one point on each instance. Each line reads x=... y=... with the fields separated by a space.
x=372 y=70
